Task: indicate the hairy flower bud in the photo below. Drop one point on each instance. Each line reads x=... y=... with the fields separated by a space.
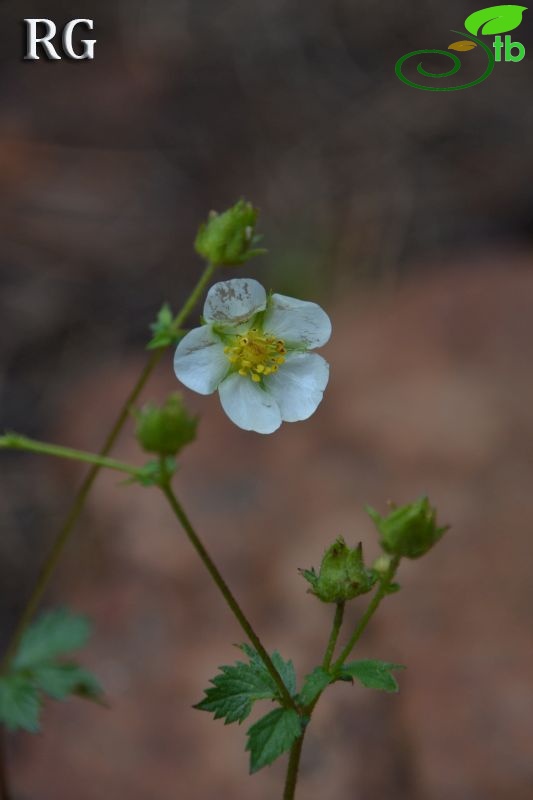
x=342 y=574
x=408 y=531
x=167 y=429
x=228 y=238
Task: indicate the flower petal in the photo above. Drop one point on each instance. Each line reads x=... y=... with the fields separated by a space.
x=231 y=302
x=248 y=405
x=297 y=322
x=200 y=362
x=299 y=385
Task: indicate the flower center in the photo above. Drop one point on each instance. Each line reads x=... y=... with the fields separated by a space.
x=256 y=355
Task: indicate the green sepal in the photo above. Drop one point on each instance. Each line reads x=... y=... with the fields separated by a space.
x=342 y=574
x=408 y=531
x=229 y=238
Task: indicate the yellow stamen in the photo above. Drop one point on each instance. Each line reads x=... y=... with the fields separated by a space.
x=255 y=354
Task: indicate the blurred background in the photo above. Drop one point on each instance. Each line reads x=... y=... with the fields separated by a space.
x=407 y=214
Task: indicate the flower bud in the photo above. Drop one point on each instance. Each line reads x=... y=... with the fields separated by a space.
x=165 y=430
x=342 y=574
x=382 y=565
x=228 y=238
x=410 y=530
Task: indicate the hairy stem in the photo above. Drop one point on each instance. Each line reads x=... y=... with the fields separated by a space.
x=296 y=750
x=226 y=592
x=293 y=768
x=65 y=532
x=382 y=591
x=15 y=442
x=335 y=630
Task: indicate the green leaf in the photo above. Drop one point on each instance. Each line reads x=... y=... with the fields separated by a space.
x=372 y=674
x=285 y=668
x=19 y=703
x=64 y=679
x=271 y=736
x=496 y=19
x=53 y=634
x=234 y=692
x=314 y=684
x=35 y=670
x=163 y=330
x=236 y=688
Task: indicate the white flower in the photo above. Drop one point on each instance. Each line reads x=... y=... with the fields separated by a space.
x=254 y=350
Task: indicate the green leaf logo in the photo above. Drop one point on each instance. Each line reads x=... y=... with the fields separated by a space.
x=493 y=20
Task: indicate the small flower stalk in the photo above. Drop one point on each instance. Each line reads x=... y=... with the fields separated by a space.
x=342 y=575
x=409 y=531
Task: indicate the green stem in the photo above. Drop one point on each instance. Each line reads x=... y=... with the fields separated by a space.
x=296 y=750
x=293 y=768
x=369 y=613
x=335 y=630
x=226 y=592
x=15 y=442
x=65 y=532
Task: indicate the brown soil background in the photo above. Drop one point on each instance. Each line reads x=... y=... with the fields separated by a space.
x=407 y=215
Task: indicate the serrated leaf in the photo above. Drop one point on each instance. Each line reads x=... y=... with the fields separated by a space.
x=285 y=668
x=238 y=686
x=372 y=674
x=64 y=679
x=53 y=634
x=271 y=736
x=495 y=19
x=462 y=46
x=19 y=703
x=314 y=684
x=234 y=692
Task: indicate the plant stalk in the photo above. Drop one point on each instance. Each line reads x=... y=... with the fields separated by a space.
x=291 y=779
x=369 y=613
x=335 y=630
x=226 y=592
x=293 y=768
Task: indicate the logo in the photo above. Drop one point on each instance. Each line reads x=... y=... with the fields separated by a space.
x=491 y=21
x=41 y=33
